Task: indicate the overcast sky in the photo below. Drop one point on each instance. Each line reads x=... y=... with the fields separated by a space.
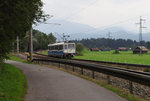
x=100 y=13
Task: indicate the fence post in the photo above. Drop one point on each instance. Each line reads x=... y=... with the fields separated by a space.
x=65 y=66
x=108 y=79
x=93 y=74
x=131 y=87
x=59 y=64
x=81 y=70
x=73 y=68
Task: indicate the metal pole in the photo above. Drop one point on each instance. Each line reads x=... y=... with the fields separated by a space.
x=17 y=44
x=140 y=35
x=31 y=44
x=140 y=31
x=63 y=37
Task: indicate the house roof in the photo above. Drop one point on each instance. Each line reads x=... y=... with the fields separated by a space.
x=94 y=49
x=142 y=48
x=122 y=48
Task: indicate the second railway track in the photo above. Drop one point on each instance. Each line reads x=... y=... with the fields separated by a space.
x=105 y=63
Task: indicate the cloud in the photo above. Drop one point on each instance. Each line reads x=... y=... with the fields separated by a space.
x=98 y=13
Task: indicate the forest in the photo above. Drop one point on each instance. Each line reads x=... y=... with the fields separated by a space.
x=111 y=43
x=40 y=41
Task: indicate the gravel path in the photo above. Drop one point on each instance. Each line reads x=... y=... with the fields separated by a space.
x=47 y=84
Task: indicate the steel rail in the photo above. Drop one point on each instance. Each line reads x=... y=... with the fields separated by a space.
x=105 y=62
x=115 y=63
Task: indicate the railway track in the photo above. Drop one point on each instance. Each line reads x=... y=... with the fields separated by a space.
x=97 y=64
x=114 y=64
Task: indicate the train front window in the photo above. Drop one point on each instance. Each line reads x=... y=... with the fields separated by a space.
x=65 y=46
x=70 y=46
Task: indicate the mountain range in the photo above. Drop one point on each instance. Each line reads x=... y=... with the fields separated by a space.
x=82 y=31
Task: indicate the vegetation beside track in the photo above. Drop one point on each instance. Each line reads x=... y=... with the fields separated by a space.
x=14 y=57
x=13 y=84
x=44 y=52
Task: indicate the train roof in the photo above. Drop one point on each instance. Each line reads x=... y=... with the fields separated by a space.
x=60 y=43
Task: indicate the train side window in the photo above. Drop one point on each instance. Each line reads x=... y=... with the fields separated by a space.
x=52 y=47
x=56 y=47
x=60 y=47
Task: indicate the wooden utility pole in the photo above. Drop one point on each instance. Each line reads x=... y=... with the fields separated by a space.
x=31 y=44
x=63 y=37
x=17 y=44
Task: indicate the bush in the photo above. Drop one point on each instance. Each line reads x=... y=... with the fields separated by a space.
x=79 y=54
x=146 y=70
x=116 y=52
x=79 y=49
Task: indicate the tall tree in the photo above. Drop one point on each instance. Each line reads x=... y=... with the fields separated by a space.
x=51 y=38
x=40 y=41
x=16 y=18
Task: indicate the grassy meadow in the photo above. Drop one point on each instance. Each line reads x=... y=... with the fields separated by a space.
x=122 y=57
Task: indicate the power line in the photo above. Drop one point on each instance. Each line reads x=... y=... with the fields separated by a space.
x=80 y=10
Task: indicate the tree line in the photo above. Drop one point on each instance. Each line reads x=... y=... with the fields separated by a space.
x=40 y=41
x=111 y=43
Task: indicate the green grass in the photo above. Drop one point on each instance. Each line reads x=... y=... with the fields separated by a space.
x=44 y=52
x=122 y=57
x=12 y=83
x=16 y=58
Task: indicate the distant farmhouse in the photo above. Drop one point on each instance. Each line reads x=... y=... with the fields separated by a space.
x=94 y=49
x=105 y=49
x=122 y=49
x=139 y=49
